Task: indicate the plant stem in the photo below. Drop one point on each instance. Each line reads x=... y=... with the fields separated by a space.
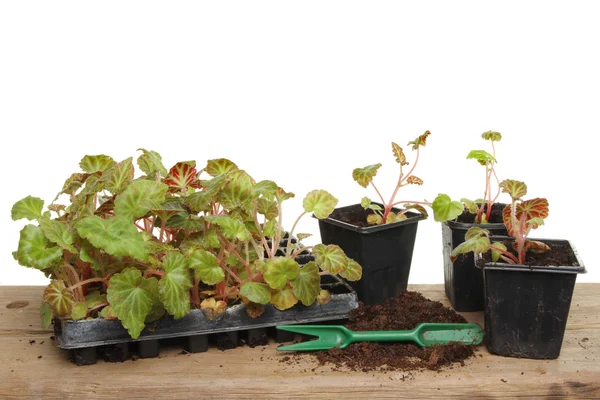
x=153 y=272
x=514 y=260
x=87 y=281
x=232 y=249
x=194 y=295
x=425 y=203
x=261 y=234
x=287 y=247
x=300 y=250
x=226 y=268
x=275 y=241
x=104 y=304
x=380 y=196
x=75 y=278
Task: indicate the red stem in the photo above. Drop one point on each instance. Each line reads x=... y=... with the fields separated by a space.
x=505 y=253
x=150 y=272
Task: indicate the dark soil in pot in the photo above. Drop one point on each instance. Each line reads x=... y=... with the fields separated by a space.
x=559 y=255
x=400 y=313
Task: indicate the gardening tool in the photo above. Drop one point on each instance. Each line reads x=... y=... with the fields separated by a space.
x=426 y=334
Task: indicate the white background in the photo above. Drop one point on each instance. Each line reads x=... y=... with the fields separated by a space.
x=302 y=93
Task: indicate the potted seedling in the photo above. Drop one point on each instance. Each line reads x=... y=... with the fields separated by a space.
x=381 y=236
x=463 y=283
x=140 y=258
x=528 y=283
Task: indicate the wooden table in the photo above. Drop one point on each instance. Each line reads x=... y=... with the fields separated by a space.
x=41 y=370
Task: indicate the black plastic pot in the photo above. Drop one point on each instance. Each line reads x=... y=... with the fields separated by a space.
x=384 y=251
x=462 y=280
x=526 y=307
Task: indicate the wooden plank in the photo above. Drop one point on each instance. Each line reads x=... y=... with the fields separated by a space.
x=259 y=373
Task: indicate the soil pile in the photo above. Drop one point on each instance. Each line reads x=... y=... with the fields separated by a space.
x=401 y=313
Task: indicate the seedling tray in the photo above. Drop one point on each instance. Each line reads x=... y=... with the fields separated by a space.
x=87 y=339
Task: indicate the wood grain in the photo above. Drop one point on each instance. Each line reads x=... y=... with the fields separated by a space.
x=41 y=369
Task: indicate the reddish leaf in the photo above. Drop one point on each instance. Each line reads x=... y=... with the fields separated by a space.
x=420 y=141
x=182 y=175
x=534 y=208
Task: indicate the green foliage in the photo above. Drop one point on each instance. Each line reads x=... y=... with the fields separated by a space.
x=206 y=266
x=492 y=135
x=306 y=285
x=116 y=235
x=135 y=249
x=99 y=163
x=256 y=292
x=319 y=202
x=364 y=176
x=132 y=298
x=59 y=298
x=399 y=154
x=420 y=141
x=515 y=189
x=150 y=162
x=445 y=209
x=174 y=287
x=35 y=251
x=29 y=207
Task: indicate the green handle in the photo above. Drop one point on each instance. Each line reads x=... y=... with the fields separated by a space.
x=385 y=336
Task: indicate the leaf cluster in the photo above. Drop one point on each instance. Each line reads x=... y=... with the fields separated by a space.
x=135 y=249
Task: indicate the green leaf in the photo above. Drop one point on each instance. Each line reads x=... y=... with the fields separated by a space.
x=475 y=232
x=482 y=156
x=186 y=221
x=417 y=207
x=174 y=287
x=200 y=241
x=150 y=162
x=284 y=298
x=206 y=267
x=132 y=297
x=140 y=197
x=306 y=286
x=220 y=166
x=420 y=141
x=94 y=298
x=330 y=258
x=364 y=176
x=59 y=298
x=118 y=177
x=515 y=189
x=199 y=201
x=182 y=175
x=87 y=255
x=57 y=232
x=117 y=236
x=470 y=205
x=444 y=209
x=73 y=183
x=35 y=250
x=365 y=203
x=46 y=315
x=393 y=217
x=302 y=236
x=256 y=292
x=492 y=135
x=270 y=228
x=399 y=154
x=238 y=192
x=320 y=202
x=28 y=207
x=170 y=208
x=475 y=243
x=157 y=312
x=324 y=297
x=99 y=163
x=108 y=313
x=267 y=208
x=495 y=253
x=266 y=189
x=374 y=219
x=278 y=270
x=79 y=311
x=282 y=195
x=353 y=271
x=535 y=223
x=231 y=228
